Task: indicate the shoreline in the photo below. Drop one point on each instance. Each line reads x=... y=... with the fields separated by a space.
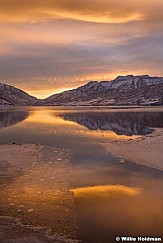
x=147 y=150
x=35 y=190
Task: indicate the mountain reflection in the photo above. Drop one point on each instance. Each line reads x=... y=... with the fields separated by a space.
x=11 y=118
x=122 y=123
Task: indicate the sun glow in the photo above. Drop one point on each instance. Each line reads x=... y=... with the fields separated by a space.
x=42 y=94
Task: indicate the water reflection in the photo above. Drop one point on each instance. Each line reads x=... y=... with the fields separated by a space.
x=104 y=191
x=102 y=196
x=118 y=212
x=122 y=123
x=10 y=118
x=112 y=200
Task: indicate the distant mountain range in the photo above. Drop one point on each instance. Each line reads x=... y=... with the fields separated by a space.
x=124 y=90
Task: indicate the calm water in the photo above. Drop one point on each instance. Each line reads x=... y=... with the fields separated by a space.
x=110 y=198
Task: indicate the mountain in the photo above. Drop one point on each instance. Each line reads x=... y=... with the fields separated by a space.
x=124 y=90
x=122 y=123
x=9 y=95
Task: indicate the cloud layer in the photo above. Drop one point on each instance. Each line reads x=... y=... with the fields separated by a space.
x=54 y=45
x=106 y=11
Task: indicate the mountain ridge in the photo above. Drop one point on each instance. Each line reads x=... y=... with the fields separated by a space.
x=9 y=95
x=123 y=90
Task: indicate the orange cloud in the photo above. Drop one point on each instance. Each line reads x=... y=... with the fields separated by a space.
x=54 y=45
x=90 y=11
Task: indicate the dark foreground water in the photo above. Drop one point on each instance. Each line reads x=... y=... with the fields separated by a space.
x=111 y=198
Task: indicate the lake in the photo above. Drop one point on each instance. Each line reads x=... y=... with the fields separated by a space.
x=111 y=198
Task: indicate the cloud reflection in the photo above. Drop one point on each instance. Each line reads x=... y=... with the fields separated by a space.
x=105 y=191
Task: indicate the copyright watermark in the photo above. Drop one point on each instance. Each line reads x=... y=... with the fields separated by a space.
x=118 y=238
x=137 y=239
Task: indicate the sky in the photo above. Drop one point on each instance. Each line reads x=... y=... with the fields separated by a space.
x=48 y=46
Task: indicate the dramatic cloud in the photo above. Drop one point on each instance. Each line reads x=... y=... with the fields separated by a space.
x=49 y=46
x=105 y=11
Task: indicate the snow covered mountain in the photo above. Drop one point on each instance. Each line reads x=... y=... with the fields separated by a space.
x=124 y=90
x=9 y=95
x=131 y=82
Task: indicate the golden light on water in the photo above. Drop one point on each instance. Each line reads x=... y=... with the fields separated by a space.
x=50 y=119
x=105 y=191
x=46 y=117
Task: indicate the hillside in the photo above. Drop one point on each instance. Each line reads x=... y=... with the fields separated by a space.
x=9 y=95
x=124 y=90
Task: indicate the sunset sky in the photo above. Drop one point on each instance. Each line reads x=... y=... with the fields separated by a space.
x=47 y=46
